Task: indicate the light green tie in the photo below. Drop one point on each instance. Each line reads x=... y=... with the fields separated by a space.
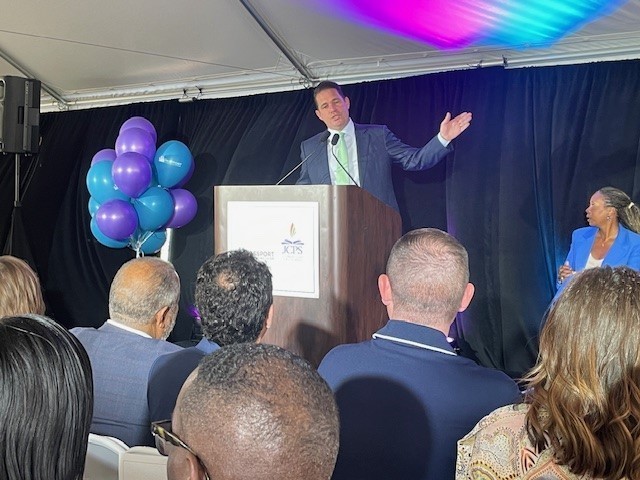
x=343 y=157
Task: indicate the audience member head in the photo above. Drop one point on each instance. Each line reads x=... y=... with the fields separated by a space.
x=20 y=291
x=255 y=412
x=234 y=296
x=626 y=211
x=427 y=279
x=144 y=295
x=584 y=392
x=46 y=400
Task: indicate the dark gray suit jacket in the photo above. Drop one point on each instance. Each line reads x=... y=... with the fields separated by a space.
x=378 y=150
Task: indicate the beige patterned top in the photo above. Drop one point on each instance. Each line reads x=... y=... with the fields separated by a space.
x=499 y=448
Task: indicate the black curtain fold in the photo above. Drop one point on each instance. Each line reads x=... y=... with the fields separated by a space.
x=541 y=141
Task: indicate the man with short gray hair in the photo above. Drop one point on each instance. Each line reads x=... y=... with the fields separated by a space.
x=405 y=397
x=143 y=304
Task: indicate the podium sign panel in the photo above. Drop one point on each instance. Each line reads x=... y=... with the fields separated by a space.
x=326 y=245
x=284 y=235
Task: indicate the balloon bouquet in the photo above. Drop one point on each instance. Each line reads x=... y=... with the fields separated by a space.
x=136 y=190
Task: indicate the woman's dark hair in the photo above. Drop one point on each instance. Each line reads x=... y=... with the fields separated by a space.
x=46 y=400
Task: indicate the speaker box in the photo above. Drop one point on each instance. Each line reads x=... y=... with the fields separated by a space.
x=19 y=115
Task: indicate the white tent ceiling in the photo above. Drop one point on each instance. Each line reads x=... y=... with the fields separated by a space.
x=89 y=53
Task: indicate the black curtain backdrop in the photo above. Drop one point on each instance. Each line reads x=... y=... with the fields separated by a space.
x=541 y=142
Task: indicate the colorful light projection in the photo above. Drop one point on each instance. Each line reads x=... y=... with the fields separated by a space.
x=454 y=24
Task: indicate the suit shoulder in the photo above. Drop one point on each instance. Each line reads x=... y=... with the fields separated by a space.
x=633 y=236
x=83 y=331
x=487 y=375
x=338 y=354
x=370 y=128
x=316 y=138
x=583 y=232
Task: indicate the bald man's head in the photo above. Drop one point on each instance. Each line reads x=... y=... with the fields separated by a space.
x=253 y=411
x=141 y=289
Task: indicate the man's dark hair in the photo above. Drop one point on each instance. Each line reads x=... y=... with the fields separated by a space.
x=326 y=85
x=233 y=295
x=258 y=411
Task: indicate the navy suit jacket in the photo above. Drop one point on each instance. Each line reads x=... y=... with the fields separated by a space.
x=378 y=148
x=169 y=373
x=121 y=362
x=624 y=251
x=403 y=406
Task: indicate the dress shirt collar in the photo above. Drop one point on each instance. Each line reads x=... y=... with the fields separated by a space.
x=414 y=335
x=128 y=328
x=349 y=129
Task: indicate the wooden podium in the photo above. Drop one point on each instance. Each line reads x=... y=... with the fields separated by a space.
x=355 y=233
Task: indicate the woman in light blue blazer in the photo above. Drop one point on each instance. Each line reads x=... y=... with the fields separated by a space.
x=610 y=239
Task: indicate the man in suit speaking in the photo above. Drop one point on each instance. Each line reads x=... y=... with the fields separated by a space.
x=352 y=154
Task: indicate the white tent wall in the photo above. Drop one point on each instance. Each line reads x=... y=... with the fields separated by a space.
x=90 y=54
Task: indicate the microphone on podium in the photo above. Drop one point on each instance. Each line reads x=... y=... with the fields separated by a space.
x=323 y=139
x=334 y=142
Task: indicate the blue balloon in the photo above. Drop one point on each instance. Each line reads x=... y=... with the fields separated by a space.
x=153 y=242
x=173 y=162
x=100 y=183
x=154 y=208
x=93 y=206
x=103 y=239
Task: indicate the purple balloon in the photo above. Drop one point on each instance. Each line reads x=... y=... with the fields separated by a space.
x=185 y=208
x=140 y=122
x=136 y=140
x=106 y=154
x=131 y=173
x=116 y=219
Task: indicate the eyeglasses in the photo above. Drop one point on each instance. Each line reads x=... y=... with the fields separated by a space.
x=162 y=434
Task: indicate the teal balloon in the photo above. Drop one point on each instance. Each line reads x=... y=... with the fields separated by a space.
x=93 y=206
x=173 y=161
x=154 y=242
x=100 y=183
x=154 y=208
x=103 y=239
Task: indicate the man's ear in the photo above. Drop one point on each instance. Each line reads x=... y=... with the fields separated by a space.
x=266 y=325
x=384 y=287
x=347 y=102
x=162 y=320
x=269 y=319
x=196 y=472
x=467 y=296
x=163 y=317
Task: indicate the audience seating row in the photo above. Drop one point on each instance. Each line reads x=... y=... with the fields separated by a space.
x=111 y=459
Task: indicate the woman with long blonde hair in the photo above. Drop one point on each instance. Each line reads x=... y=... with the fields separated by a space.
x=20 y=290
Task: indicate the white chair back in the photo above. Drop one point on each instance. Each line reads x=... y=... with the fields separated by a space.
x=103 y=457
x=143 y=463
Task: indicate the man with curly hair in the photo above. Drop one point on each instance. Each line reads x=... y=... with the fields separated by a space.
x=234 y=296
